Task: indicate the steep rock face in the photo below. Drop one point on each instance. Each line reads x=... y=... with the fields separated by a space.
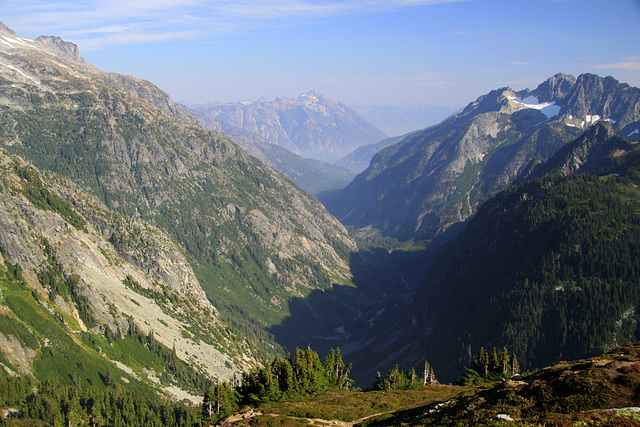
x=253 y=237
x=311 y=125
x=61 y=47
x=123 y=270
x=432 y=179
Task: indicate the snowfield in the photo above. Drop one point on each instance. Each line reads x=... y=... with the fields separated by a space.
x=549 y=109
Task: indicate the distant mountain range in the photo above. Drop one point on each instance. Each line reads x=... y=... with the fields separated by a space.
x=358 y=160
x=311 y=125
x=437 y=177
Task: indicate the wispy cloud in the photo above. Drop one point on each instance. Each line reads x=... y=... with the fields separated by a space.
x=97 y=24
x=631 y=63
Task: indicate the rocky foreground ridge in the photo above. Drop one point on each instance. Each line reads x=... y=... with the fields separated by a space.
x=597 y=391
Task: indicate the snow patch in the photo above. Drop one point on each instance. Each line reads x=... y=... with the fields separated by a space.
x=549 y=109
x=15 y=43
x=11 y=67
x=468 y=112
x=12 y=40
x=591 y=119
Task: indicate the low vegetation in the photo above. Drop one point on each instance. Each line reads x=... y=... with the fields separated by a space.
x=597 y=391
x=603 y=390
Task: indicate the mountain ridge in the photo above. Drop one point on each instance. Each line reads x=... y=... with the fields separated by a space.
x=310 y=125
x=96 y=273
x=437 y=177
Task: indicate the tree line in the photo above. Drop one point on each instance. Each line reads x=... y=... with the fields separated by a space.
x=490 y=367
x=56 y=404
x=285 y=378
x=288 y=378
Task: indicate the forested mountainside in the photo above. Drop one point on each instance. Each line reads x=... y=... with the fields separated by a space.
x=253 y=238
x=420 y=186
x=88 y=294
x=313 y=176
x=311 y=125
x=547 y=268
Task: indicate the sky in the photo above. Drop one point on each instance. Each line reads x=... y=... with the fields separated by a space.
x=359 y=52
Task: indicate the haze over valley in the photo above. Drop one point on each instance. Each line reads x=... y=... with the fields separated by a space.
x=384 y=215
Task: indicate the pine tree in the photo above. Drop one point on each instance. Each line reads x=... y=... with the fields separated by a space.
x=504 y=360
x=208 y=403
x=515 y=367
x=494 y=364
x=427 y=373
x=481 y=365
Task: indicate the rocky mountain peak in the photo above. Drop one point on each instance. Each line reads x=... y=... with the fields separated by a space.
x=312 y=96
x=6 y=30
x=310 y=125
x=439 y=175
x=556 y=87
x=602 y=130
x=66 y=49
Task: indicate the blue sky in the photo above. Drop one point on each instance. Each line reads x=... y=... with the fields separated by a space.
x=404 y=52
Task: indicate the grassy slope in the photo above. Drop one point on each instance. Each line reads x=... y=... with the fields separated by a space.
x=567 y=393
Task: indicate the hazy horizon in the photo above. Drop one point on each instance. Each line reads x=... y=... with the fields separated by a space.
x=369 y=52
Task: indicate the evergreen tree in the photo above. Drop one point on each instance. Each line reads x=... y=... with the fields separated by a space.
x=504 y=361
x=208 y=404
x=283 y=374
x=309 y=372
x=490 y=369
